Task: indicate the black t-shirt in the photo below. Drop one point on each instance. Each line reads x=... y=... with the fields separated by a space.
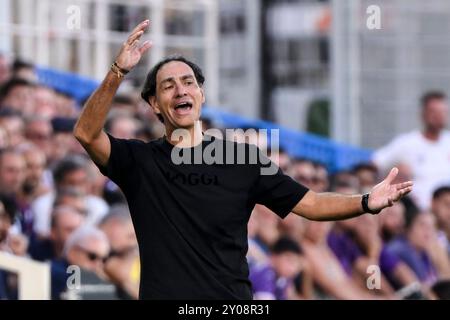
x=191 y=219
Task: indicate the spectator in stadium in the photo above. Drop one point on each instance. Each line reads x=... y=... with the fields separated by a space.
x=321 y=183
x=122 y=266
x=12 y=172
x=87 y=248
x=70 y=173
x=63 y=141
x=274 y=280
x=392 y=221
x=10 y=241
x=46 y=105
x=418 y=248
x=425 y=152
x=18 y=95
x=22 y=69
x=65 y=220
x=441 y=209
x=372 y=251
x=39 y=131
x=328 y=275
x=32 y=187
x=122 y=126
x=303 y=171
x=367 y=175
x=14 y=125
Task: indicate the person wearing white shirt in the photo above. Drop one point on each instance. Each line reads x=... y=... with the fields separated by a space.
x=426 y=153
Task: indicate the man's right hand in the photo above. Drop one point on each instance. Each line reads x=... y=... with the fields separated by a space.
x=131 y=52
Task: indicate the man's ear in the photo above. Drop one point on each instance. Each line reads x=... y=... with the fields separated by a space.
x=154 y=104
x=203 y=94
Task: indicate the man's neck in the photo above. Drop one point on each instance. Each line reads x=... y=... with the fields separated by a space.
x=432 y=135
x=185 y=137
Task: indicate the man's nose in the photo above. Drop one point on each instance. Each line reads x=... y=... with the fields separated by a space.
x=181 y=90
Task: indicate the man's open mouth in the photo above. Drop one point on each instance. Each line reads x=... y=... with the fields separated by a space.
x=183 y=108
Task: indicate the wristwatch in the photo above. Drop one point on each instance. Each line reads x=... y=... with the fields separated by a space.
x=365 y=204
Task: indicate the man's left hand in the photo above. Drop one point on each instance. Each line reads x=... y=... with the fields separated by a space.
x=386 y=193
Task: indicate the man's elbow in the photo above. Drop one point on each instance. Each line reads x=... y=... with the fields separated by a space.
x=307 y=207
x=81 y=135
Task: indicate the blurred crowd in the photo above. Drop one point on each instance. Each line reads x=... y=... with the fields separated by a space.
x=55 y=206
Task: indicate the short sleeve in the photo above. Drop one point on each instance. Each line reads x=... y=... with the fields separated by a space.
x=275 y=190
x=120 y=160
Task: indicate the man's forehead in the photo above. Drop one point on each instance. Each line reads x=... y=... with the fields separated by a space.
x=174 y=69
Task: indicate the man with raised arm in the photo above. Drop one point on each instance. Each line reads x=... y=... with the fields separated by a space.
x=191 y=218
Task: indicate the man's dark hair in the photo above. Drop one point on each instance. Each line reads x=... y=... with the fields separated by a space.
x=67 y=165
x=432 y=95
x=149 y=89
x=285 y=244
x=21 y=64
x=440 y=191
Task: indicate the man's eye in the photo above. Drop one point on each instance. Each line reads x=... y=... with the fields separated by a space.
x=168 y=87
x=189 y=82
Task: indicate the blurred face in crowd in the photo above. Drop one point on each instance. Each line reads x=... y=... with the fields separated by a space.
x=12 y=172
x=5 y=223
x=21 y=99
x=435 y=114
x=77 y=202
x=304 y=173
x=124 y=128
x=76 y=179
x=320 y=181
x=422 y=230
x=40 y=132
x=392 y=219
x=121 y=236
x=90 y=255
x=66 y=222
x=441 y=209
x=178 y=95
x=15 y=128
x=45 y=102
x=35 y=162
x=367 y=179
x=286 y=264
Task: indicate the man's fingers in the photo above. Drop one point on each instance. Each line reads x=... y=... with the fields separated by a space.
x=392 y=175
x=145 y=46
x=404 y=185
x=134 y=37
x=141 y=26
x=403 y=192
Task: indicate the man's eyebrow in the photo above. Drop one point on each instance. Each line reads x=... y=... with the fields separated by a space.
x=171 y=79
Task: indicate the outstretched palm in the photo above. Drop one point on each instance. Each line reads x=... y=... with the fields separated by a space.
x=385 y=193
x=131 y=52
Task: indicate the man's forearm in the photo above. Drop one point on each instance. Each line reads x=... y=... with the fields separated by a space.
x=329 y=206
x=95 y=111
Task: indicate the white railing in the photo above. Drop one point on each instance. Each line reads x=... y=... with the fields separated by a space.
x=33 y=277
